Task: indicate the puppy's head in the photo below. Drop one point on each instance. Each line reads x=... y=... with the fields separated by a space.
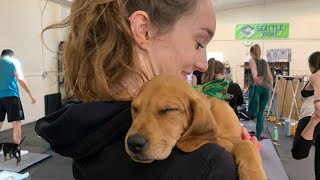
x=165 y=113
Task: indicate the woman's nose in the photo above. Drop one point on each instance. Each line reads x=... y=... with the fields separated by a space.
x=202 y=63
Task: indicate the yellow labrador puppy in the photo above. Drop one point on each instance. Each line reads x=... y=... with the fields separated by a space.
x=167 y=112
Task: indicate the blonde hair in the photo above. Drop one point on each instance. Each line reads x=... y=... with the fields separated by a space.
x=209 y=74
x=255 y=51
x=99 y=49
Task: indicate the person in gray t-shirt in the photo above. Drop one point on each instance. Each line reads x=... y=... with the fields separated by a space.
x=260 y=85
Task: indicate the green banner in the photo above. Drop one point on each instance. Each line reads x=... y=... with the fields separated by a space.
x=262 y=31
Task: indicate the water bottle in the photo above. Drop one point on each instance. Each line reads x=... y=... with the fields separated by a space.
x=287 y=127
x=275 y=134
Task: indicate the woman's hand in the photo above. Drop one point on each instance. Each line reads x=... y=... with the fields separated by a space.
x=258 y=80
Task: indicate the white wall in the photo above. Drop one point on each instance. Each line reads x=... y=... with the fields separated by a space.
x=20 y=30
x=304 y=34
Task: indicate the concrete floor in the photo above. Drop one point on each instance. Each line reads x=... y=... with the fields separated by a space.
x=58 y=167
x=295 y=169
x=52 y=168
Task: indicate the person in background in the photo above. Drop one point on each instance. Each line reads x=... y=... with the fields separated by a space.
x=10 y=104
x=260 y=85
x=308 y=125
x=216 y=70
x=112 y=49
x=234 y=92
x=211 y=86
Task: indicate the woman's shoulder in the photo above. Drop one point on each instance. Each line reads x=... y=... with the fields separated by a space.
x=215 y=162
x=208 y=162
x=314 y=78
x=251 y=60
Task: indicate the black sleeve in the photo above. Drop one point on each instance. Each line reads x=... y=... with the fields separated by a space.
x=211 y=162
x=221 y=165
x=301 y=147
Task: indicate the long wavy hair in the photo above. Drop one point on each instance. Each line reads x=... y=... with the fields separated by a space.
x=99 y=49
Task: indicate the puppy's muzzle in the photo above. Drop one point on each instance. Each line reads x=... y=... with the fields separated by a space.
x=137 y=143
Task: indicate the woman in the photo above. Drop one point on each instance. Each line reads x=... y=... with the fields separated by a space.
x=235 y=97
x=215 y=78
x=308 y=126
x=260 y=85
x=212 y=86
x=113 y=48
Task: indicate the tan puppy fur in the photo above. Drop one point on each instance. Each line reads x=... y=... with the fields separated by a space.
x=167 y=112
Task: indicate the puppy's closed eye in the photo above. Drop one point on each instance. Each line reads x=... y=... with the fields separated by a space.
x=168 y=110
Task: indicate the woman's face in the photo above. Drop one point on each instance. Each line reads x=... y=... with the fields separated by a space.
x=183 y=49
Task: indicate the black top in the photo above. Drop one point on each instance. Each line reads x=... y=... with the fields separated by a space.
x=93 y=135
x=237 y=98
x=306 y=93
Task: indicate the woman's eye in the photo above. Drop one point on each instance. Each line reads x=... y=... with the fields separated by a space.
x=199 y=45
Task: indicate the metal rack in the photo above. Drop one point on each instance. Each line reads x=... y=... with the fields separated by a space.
x=288 y=79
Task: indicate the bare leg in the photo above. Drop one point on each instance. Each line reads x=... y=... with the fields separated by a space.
x=16 y=131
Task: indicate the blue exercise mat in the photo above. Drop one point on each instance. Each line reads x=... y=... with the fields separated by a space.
x=271 y=162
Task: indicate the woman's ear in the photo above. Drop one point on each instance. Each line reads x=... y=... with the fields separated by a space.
x=140 y=27
x=202 y=129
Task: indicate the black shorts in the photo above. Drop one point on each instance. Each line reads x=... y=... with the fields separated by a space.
x=12 y=107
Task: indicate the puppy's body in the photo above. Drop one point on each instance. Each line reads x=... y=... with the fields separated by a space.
x=167 y=112
x=11 y=149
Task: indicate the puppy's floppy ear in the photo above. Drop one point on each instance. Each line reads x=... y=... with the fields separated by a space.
x=203 y=127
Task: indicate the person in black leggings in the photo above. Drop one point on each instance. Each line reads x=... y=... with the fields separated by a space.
x=308 y=126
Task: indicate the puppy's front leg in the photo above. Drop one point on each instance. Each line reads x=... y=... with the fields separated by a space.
x=249 y=161
x=224 y=143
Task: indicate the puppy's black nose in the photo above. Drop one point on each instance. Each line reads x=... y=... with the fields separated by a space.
x=136 y=143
